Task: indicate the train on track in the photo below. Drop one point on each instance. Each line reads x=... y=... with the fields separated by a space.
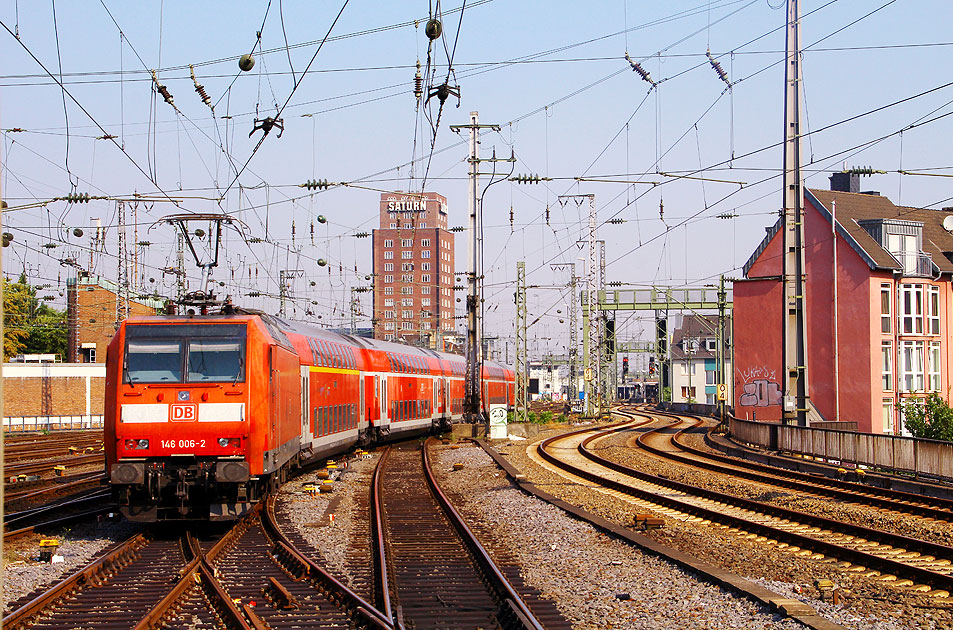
x=206 y=414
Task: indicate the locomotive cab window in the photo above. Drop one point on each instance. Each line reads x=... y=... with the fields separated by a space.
x=177 y=354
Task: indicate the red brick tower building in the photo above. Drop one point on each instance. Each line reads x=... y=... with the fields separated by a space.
x=413 y=270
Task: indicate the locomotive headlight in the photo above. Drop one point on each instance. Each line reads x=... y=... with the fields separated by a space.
x=132 y=443
x=223 y=442
x=232 y=442
x=137 y=444
x=143 y=444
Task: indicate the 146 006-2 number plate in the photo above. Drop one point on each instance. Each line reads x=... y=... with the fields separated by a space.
x=183 y=443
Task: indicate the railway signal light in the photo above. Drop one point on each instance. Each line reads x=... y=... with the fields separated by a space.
x=625 y=365
x=651 y=365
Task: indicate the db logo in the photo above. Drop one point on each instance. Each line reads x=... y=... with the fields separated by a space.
x=183 y=413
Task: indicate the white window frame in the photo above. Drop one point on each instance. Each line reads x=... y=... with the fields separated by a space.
x=935 y=360
x=388 y=314
x=388 y=266
x=406 y=242
x=910 y=309
x=425 y=253
x=388 y=255
x=389 y=302
x=911 y=366
x=425 y=277
x=407 y=290
x=388 y=290
x=888 y=416
x=407 y=254
x=425 y=266
x=425 y=242
x=388 y=278
x=425 y=290
x=388 y=242
x=885 y=315
x=933 y=310
x=886 y=365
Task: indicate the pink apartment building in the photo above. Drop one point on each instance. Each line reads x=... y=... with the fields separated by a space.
x=893 y=300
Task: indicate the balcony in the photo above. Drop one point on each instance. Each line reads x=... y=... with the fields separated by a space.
x=915 y=265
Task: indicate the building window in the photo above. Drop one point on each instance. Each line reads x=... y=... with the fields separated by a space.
x=388 y=266
x=407 y=314
x=904 y=249
x=388 y=255
x=389 y=302
x=388 y=314
x=933 y=311
x=711 y=377
x=886 y=365
x=407 y=301
x=388 y=278
x=425 y=277
x=393 y=226
x=885 y=308
x=423 y=226
x=388 y=290
x=688 y=393
x=425 y=253
x=711 y=345
x=425 y=242
x=425 y=325
x=911 y=366
x=407 y=290
x=407 y=254
x=388 y=325
x=934 y=374
x=407 y=266
x=425 y=302
x=911 y=309
x=425 y=290
x=888 y=415
x=425 y=266
x=389 y=337
x=407 y=277
x=406 y=242
x=388 y=242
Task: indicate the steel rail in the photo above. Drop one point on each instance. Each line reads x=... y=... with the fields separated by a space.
x=90 y=574
x=800 y=482
x=198 y=570
x=300 y=566
x=899 y=569
x=378 y=540
x=873 y=491
x=498 y=582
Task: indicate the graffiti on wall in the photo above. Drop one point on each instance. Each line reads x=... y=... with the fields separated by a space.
x=760 y=387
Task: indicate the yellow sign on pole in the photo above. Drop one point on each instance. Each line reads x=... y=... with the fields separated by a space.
x=722 y=391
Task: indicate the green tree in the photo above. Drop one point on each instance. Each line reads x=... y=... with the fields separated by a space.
x=933 y=419
x=30 y=325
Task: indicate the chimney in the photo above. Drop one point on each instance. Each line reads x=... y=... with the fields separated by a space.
x=845 y=182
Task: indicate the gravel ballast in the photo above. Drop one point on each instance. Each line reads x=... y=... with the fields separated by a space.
x=595 y=580
x=868 y=603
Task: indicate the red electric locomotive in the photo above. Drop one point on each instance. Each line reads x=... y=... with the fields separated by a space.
x=206 y=414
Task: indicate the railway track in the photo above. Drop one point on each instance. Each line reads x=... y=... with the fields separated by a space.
x=84 y=505
x=18 y=448
x=890 y=557
x=668 y=442
x=47 y=466
x=430 y=567
x=249 y=578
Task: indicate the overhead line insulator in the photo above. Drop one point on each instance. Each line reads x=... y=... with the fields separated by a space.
x=200 y=89
x=316 y=184
x=163 y=90
x=717 y=68
x=529 y=179
x=642 y=72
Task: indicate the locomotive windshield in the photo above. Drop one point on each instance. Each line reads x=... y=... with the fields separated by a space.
x=184 y=353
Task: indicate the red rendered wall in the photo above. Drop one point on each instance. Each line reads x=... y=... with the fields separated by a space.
x=758 y=341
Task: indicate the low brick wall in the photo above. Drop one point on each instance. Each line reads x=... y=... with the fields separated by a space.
x=52 y=394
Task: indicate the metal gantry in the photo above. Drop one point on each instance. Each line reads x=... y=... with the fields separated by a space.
x=573 y=330
x=521 y=365
x=591 y=323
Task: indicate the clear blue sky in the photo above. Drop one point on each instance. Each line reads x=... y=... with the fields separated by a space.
x=569 y=107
